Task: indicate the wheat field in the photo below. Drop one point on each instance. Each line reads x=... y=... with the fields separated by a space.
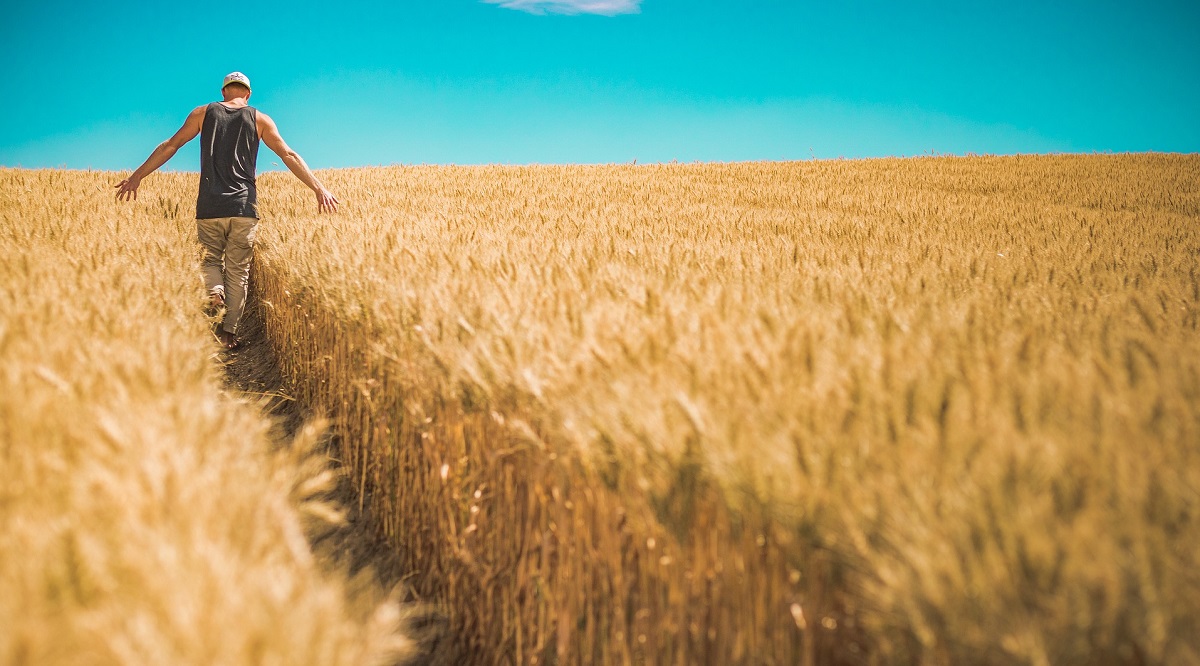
x=145 y=515
x=936 y=410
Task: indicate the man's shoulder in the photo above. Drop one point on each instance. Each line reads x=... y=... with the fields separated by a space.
x=198 y=114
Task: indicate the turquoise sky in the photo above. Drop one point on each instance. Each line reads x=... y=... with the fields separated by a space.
x=580 y=81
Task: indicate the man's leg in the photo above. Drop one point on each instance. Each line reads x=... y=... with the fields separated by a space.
x=239 y=252
x=213 y=235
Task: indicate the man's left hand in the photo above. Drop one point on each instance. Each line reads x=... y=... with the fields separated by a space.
x=127 y=189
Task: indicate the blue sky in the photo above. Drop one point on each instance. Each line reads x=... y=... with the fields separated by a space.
x=584 y=81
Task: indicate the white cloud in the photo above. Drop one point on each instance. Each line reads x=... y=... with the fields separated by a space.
x=605 y=7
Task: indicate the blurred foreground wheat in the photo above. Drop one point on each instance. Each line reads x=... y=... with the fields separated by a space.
x=143 y=517
x=932 y=410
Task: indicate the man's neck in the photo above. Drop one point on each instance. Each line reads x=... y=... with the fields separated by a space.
x=235 y=102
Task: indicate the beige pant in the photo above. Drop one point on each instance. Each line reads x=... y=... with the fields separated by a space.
x=228 y=250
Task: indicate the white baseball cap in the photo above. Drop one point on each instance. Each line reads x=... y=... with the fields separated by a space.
x=236 y=77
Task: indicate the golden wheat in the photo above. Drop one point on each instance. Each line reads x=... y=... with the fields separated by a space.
x=936 y=410
x=143 y=517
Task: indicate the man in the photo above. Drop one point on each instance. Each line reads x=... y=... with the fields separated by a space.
x=227 y=205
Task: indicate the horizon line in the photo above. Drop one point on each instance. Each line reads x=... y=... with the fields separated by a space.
x=635 y=162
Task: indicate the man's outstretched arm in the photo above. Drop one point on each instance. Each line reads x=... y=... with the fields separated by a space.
x=269 y=133
x=127 y=189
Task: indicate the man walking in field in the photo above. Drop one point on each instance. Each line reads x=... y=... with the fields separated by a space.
x=227 y=205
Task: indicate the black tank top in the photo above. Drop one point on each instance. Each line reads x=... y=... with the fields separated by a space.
x=228 y=153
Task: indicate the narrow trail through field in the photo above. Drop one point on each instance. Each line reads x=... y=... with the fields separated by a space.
x=253 y=371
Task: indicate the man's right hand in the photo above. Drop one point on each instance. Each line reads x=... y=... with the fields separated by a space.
x=326 y=202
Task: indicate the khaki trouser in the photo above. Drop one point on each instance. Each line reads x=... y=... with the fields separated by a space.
x=228 y=250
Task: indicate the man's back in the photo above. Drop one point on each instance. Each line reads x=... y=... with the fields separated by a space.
x=228 y=156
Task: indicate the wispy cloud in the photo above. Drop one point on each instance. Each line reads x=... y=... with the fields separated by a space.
x=604 y=7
